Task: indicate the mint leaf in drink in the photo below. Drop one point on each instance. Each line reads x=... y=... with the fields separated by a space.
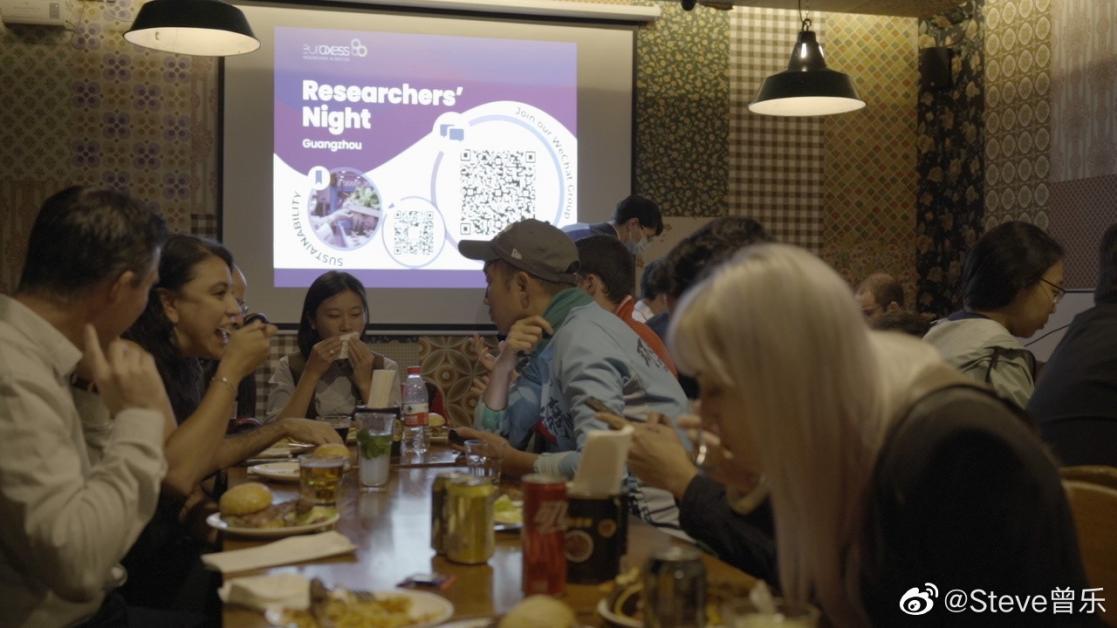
x=373 y=446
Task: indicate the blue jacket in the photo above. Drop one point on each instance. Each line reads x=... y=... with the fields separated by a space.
x=593 y=353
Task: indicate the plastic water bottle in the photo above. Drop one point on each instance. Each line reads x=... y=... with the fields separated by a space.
x=416 y=407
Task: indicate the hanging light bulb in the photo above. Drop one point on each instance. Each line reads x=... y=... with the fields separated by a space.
x=807 y=87
x=193 y=27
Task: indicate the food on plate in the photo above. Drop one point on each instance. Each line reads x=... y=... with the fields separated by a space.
x=249 y=505
x=339 y=607
x=624 y=593
x=508 y=512
x=332 y=450
x=539 y=611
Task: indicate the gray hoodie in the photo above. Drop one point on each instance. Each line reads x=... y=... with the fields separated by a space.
x=985 y=351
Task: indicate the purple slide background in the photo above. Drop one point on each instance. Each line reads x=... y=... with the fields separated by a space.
x=539 y=73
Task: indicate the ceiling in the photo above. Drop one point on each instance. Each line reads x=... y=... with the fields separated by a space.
x=906 y=8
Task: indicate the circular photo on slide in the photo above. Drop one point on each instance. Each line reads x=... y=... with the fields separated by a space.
x=344 y=212
x=414 y=232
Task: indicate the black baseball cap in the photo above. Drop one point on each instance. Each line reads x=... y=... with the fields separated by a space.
x=533 y=246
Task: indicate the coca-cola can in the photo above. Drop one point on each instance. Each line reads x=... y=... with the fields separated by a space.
x=544 y=535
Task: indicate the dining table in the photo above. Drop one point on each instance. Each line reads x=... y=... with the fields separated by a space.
x=390 y=528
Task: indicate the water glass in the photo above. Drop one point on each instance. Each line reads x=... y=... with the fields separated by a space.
x=374 y=446
x=320 y=479
x=483 y=460
x=743 y=613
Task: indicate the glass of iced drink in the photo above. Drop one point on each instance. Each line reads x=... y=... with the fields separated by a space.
x=374 y=446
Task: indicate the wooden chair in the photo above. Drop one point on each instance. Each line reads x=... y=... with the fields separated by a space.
x=1093 y=474
x=1094 y=505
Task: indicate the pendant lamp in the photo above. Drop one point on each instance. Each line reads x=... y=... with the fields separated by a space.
x=194 y=27
x=807 y=87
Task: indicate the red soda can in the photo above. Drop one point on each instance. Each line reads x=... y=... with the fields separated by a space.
x=544 y=535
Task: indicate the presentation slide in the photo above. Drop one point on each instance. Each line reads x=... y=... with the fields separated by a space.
x=391 y=147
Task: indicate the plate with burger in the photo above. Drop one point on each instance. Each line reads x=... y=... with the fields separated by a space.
x=247 y=510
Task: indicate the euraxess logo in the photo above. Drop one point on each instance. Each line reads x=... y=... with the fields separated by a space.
x=356 y=48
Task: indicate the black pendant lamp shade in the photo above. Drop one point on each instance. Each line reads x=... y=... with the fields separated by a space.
x=807 y=87
x=193 y=27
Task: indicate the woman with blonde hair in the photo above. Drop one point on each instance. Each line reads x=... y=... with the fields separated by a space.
x=885 y=468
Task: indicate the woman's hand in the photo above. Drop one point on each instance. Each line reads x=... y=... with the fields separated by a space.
x=497 y=444
x=247 y=349
x=322 y=355
x=308 y=431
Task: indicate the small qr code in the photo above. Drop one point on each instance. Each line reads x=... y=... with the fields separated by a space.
x=414 y=232
x=498 y=189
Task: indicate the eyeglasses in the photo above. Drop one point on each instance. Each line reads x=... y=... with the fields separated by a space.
x=1059 y=290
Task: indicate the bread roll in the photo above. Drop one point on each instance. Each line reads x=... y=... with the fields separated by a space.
x=539 y=611
x=244 y=499
x=332 y=450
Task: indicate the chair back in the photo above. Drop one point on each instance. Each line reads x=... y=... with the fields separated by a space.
x=1094 y=505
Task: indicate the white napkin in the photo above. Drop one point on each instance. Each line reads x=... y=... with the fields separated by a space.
x=345 y=340
x=602 y=465
x=383 y=383
x=279 y=449
x=284 y=590
x=295 y=549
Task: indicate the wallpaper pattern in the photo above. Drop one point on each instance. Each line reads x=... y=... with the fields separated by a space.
x=950 y=200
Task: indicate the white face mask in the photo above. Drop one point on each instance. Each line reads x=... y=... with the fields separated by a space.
x=639 y=246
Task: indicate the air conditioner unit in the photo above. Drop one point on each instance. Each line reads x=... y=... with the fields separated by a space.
x=58 y=13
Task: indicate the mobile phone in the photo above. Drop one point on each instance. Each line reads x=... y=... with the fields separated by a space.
x=598 y=405
x=455 y=437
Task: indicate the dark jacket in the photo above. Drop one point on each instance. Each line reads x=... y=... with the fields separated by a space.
x=1075 y=401
x=965 y=496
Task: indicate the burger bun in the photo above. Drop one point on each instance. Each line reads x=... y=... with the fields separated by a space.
x=245 y=499
x=331 y=450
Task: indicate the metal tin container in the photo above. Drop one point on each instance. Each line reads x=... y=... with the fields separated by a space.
x=675 y=589
x=543 y=535
x=468 y=535
x=596 y=536
x=438 y=503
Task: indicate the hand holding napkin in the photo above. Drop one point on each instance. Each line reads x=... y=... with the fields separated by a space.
x=602 y=465
x=284 y=590
x=295 y=549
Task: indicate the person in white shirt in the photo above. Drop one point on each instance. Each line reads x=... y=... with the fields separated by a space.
x=65 y=522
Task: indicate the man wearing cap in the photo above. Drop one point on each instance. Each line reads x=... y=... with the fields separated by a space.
x=635 y=222
x=567 y=350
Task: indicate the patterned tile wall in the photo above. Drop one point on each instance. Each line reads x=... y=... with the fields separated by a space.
x=775 y=164
x=1017 y=110
x=951 y=170
x=85 y=106
x=1081 y=211
x=869 y=175
x=682 y=110
x=1084 y=93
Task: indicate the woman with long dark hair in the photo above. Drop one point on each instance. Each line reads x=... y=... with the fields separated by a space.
x=190 y=317
x=331 y=373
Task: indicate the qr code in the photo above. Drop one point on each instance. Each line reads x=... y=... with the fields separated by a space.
x=414 y=232
x=498 y=189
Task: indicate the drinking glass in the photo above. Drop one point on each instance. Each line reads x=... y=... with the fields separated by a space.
x=341 y=424
x=483 y=460
x=374 y=446
x=320 y=479
x=743 y=613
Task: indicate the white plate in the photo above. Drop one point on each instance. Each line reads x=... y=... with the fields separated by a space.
x=215 y=521
x=278 y=471
x=438 y=608
x=620 y=620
